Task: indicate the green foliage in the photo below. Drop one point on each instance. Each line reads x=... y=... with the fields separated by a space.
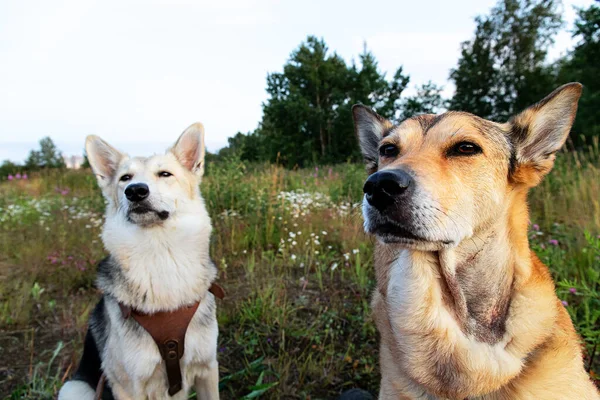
x=307 y=118
x=502 y=69
x=9 y=168
x=260 y=387
x=583 y=65
x=48 y=156
x=292 y=255
x=44 y=381
x=86 y=162
x=427 y=100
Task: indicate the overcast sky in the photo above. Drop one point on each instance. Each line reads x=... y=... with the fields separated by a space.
x=138 y=72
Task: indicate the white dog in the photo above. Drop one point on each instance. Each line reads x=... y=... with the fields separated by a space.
x=158 y=276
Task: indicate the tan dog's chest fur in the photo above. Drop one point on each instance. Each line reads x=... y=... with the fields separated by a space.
x=426 y=353
x=464 y=308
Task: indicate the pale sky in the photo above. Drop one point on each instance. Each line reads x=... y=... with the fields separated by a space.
x=137 y=73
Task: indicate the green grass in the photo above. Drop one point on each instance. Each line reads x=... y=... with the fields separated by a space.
x=292 y=256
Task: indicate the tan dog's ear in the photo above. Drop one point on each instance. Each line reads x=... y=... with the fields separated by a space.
x=540 y=131
x=369 y=128
x=189 y=149
x=104 y=159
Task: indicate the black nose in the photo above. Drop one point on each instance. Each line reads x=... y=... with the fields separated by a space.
x=137 y=192
x=383 y=188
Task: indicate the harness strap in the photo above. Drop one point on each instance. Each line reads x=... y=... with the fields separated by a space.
x=100 y=387
x=168 y=329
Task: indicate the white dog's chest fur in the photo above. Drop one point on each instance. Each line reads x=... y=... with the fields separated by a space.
x=160 y=269
x=164 y=268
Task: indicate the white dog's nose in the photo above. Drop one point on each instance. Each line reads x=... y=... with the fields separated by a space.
x=137 y=192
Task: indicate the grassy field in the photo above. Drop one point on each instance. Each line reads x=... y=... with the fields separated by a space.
x=292 y=256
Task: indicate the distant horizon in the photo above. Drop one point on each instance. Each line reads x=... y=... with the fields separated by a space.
x=140 y=83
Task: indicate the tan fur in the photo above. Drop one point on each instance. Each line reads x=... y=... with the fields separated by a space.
x=470 y=311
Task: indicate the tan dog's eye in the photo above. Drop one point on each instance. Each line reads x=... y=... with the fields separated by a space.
x=125 y=178
x=464 y=149
x=389 y=150
x=165 y=174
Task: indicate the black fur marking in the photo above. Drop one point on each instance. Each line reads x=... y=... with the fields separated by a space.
x=487 y=293
x=108 y=274
x=512 y=159
x=516 y=136
x=512 y=162
x=423 y=120
x=489 y=325
x=518 y=132
x=426 y=121
x=433 y=122
x=388 y=132
x=90 y=366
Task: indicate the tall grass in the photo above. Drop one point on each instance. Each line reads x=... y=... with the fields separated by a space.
x=294 y=260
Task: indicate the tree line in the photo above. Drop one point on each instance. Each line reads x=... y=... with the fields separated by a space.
x=502 y=69
x=48 y=156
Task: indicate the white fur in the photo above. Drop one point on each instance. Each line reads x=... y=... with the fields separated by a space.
x=169 y=260
x=165 y=264
x=76 y=390
x=437 y=225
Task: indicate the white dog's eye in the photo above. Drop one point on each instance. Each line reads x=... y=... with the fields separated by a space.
x=125 y=178
x=164 y=174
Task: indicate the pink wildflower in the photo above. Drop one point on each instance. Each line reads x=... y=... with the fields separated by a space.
x=553 y=242
x=565 y=303
x=10 y=177
x=573 y=290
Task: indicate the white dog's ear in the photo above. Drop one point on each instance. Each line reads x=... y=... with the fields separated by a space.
x=189 y=149
x=104 y=159
x=369 y=128
x=540 y=131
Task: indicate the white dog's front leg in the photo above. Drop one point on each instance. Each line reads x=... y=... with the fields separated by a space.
x=207 y=385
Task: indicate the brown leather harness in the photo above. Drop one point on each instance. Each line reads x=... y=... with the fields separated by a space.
x=168 y=329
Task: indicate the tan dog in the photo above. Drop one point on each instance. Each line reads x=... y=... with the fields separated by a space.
x=465 y=309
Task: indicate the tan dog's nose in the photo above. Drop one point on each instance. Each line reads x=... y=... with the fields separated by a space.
x=383 y=188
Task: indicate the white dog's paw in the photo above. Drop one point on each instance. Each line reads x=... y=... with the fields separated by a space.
x=76 y=390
